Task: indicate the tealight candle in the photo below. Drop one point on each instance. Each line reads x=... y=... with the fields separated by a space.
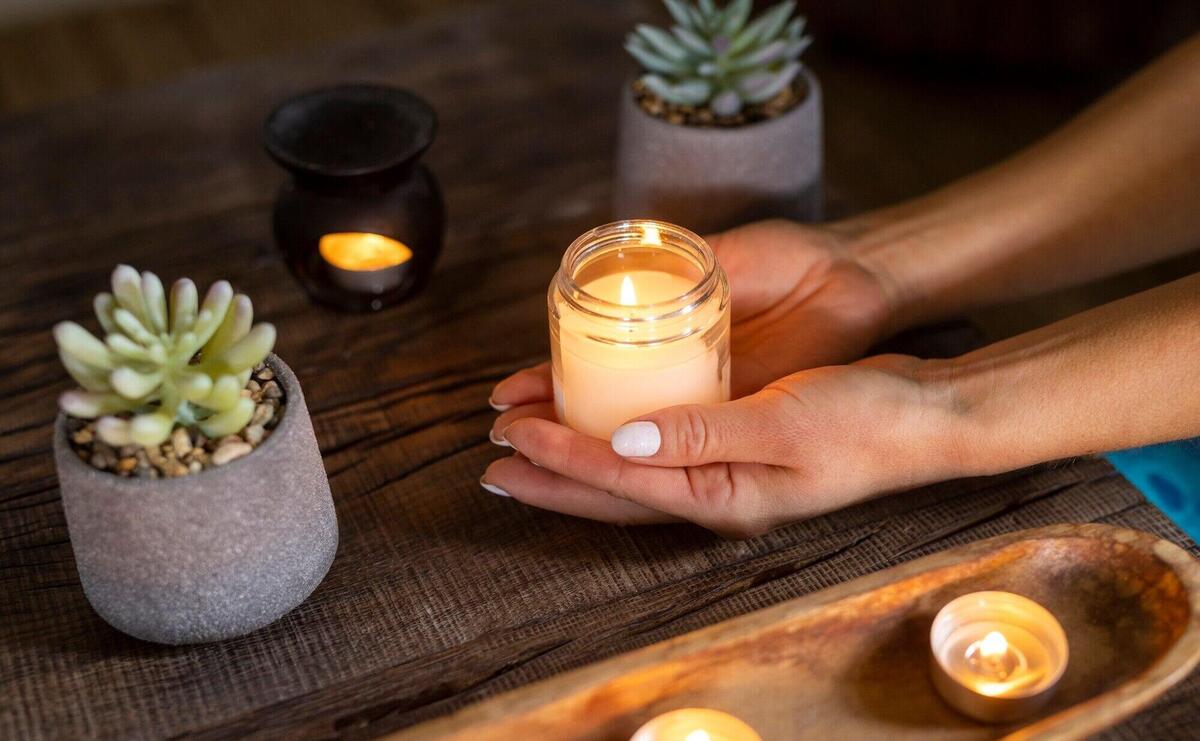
x=364 y=262
x=997 y=656
x=696 y=724
x=639 y=320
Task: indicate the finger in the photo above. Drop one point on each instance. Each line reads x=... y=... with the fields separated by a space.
x=543 y=410
x=752 y=429
x=593 y=463
x=538 y=487
x=725 y=498
x=523 y=387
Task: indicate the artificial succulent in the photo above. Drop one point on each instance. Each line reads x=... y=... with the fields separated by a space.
x=713 y=57
x=185 y=363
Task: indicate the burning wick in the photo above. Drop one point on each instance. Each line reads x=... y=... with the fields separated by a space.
x=992 y=657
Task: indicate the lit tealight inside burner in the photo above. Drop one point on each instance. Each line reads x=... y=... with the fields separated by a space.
x=364 y=262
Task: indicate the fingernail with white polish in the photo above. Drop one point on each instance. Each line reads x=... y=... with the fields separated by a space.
x=636 y=440
x=493 y=489
x=498 y=440
x=499 y=407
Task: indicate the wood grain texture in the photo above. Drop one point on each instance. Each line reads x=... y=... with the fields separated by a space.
x=441 y=594
x=830 y=664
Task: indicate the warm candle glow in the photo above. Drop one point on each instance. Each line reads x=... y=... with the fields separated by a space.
x=997 y=655
x=696 y=724
x=364 y=262
x=628 y=295
x=995 y=661
x=651 y=236
x=361 y=251
x=993 y=645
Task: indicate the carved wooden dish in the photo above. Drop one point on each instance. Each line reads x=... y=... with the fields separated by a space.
x=852 y=661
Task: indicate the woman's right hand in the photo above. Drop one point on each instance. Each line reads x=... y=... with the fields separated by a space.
x=799 y=300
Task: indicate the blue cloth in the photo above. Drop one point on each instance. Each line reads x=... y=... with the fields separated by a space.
x=1169 y=476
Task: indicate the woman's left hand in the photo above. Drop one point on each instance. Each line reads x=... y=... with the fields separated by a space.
x=806 y=444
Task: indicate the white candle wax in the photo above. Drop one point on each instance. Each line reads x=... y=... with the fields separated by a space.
x=603 y=385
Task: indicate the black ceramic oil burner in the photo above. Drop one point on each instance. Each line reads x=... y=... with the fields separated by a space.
x=360 y=223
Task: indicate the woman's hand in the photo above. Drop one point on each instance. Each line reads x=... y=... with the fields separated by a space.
x=809 y=443
x=1118 y=376
x=798 y=301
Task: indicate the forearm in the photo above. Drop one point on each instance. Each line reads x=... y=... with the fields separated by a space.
x=1122 y=375
x=1116 y=188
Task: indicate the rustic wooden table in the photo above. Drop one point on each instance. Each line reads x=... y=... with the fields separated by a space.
x=440 y=594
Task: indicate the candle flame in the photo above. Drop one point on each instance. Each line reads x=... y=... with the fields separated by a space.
x=628 y=295
x=698 y=735
x=651 y=237
x=993 y=645
x=362 y=251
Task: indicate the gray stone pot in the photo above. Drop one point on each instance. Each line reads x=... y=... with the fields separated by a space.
x=710 y=179
x=209 y=556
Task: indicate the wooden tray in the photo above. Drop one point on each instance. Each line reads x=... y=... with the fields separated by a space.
x=852 y=661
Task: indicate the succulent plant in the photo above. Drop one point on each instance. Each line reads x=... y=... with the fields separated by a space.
x=713 y=56
x=184 y=365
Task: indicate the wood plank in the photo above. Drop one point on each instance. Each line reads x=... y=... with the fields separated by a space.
x=441 y=594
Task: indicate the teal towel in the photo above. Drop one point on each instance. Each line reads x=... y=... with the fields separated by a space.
x=1169 y=476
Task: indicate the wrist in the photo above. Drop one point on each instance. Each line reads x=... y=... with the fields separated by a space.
x=894 y=246
x=948 y=252
x=984 y=424
x=952 y=433
x=924 y=431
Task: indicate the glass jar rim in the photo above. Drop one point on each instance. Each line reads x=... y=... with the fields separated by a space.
x=630 y=231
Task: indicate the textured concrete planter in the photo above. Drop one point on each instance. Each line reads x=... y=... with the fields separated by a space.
x=208 y=556
x=710 y=179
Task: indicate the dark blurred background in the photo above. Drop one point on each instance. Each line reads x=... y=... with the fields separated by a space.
x=918 y=92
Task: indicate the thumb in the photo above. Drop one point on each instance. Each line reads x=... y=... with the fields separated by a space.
x=747 y=430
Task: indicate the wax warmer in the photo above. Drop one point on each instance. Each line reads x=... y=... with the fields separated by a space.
x=360 y=221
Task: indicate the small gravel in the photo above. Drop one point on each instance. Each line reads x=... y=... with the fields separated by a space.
x=187 y=451
x=230 y=451
x=702 y=116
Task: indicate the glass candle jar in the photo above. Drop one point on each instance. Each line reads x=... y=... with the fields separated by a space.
x=360 y=222
x=639 y=320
